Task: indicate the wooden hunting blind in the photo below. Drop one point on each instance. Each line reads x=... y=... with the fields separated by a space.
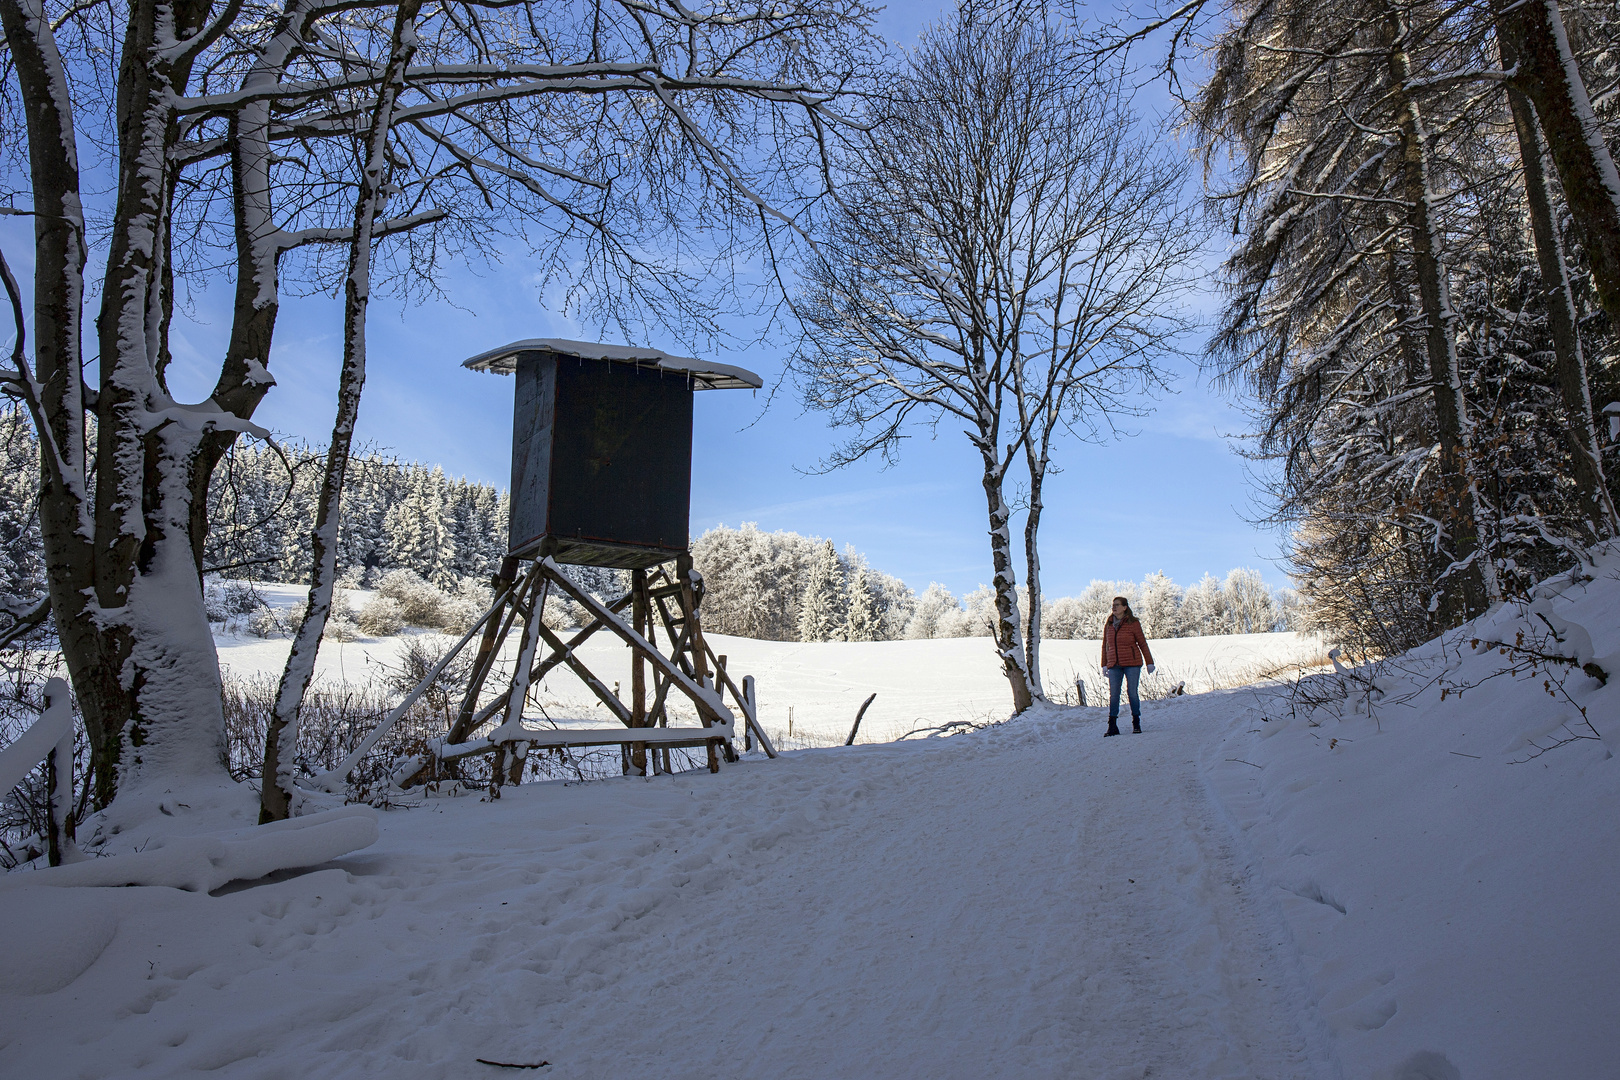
x=602 y=448
x=601 y=476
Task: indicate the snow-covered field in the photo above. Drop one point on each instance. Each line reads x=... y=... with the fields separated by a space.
x=918 y=683
x=1393 y=884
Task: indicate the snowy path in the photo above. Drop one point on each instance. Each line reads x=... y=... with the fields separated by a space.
x=1031 y=901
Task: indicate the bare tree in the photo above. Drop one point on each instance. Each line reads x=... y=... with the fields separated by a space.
x=1107 y=243
x=1005 y=255
x=612 y=134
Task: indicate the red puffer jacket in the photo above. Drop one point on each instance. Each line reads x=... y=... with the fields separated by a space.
x=1124 y=646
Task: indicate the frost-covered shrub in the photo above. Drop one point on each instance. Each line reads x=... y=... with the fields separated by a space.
x=422 y=654
x=421 y=603
x=935 y=614
x=342 y=627
x=240 y=598
x=469 y=599
x=382 y=617
x=214 y=602
x=264 y=624
x=269 y=622
x=562 y=613
x=223 y=599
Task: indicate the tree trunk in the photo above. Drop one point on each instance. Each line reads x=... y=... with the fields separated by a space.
x=1549 y=76
x=1599 y=520
x=66 y=525
x=1037 y=464
x=154 y=630
x=1467 y=596
x=277 y=796
x=1009 y=643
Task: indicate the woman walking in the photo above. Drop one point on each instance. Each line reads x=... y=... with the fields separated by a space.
x=1123 y=648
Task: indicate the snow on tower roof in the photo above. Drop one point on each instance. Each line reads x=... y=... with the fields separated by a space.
x=704 y=374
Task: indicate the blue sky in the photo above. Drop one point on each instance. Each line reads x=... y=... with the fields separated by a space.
x=1171 y=496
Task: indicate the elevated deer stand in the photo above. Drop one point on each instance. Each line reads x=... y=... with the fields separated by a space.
x=601 y=476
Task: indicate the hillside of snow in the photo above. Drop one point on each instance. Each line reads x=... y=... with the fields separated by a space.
x=1405 y=872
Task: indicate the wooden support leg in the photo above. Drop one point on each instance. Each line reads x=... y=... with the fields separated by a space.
x=641 y=616
x=693 y=632
x=537 y=587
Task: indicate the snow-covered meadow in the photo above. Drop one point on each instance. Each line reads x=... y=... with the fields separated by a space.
x=1406 y=873
x=819 y=686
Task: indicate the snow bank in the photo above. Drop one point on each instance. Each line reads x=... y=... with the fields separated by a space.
x=1440 y=836
x=204 y=863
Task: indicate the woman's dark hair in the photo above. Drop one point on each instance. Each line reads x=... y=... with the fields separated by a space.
x=1130 y=616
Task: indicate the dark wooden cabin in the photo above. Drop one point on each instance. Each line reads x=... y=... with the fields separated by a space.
x=602 y=448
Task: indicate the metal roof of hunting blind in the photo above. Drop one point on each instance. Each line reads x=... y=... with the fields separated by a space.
x=705 y=375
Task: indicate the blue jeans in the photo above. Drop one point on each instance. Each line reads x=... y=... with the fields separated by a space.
x=1131 y=676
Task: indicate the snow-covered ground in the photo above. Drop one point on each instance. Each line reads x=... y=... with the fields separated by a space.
x=918 y=683
x=1393 y=884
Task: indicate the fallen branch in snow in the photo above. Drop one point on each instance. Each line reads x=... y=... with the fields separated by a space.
x=950 y=727
x=510 y=1064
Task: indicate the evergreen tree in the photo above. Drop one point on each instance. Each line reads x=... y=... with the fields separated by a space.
x=865 y=619
x=823 y=615
x=1160 y=605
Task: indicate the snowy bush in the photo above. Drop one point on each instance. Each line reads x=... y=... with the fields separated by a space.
x=464 y=604
x=382 y=617
x=214 y=602
x=421 y=603
x=342 y=627
x=240 y=598
x=458 y=615
x=422 y=653
x=268 y=622
x=223 y=599
x=264 y=623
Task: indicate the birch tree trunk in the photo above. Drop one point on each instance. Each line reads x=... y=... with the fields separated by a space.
x=1009 y=638
x=1032 y=582
x=277 y=793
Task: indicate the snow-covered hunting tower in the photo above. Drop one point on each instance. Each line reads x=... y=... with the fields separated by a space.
x=602 y=448
x=601 y=476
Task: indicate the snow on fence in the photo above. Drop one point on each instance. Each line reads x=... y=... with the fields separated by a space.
x=48 y=739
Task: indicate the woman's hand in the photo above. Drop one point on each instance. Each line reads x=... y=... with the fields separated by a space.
x=1150 y=669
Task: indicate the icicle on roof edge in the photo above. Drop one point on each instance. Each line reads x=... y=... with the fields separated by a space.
x=705 y=375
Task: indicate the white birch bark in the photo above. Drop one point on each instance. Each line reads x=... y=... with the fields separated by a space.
x=278 y=799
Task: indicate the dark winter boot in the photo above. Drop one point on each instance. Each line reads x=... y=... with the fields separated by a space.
x=1113 y=727
x=1136 y=725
